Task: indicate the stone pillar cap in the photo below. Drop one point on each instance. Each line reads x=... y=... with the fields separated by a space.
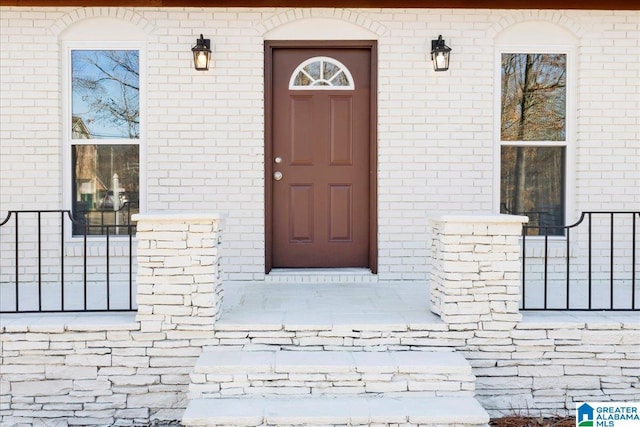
x=492 y=218
x=179 y=217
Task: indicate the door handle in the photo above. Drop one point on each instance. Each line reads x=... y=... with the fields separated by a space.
x=277 y=175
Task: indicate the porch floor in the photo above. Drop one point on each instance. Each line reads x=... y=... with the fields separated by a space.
x=380 y=304
x=383 y=304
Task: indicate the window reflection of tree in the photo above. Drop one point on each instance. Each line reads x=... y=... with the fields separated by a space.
x=106 y=92
x=533 y=97
x=321 y=72
x=106 y=106
x=533 y=108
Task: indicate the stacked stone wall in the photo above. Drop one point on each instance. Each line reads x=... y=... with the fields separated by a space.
x=110 y=372
x=104 y=373
x=126 y=369
x=544 y=366
x=120 y=369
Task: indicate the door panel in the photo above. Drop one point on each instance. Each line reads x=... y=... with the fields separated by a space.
x=301 y=214
x=320 y=143
x=340 y=213
x=341 y=131
x=301 y=133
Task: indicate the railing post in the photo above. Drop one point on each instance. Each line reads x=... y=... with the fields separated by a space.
x=179 y=284
x=475 y=276
x=17 y=269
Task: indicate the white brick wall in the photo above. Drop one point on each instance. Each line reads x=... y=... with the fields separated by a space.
x=435 y=132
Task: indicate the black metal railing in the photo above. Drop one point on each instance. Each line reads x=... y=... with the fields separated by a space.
x=100 y=219
x=46 y=270
x=551 y=218
x=592 y=264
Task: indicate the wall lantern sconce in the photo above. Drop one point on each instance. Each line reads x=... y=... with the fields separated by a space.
x=201 y=53
x=440 y=53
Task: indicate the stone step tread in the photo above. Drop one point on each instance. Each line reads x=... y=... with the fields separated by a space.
x=332 y=361
x=335 y=410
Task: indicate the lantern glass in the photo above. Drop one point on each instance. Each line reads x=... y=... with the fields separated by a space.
x=201 y=59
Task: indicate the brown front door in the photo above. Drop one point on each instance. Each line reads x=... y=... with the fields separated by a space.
x=319 y=157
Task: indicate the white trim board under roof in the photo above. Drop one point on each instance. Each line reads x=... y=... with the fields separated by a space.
x=432 y=4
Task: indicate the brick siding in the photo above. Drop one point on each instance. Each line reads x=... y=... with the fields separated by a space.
x=205 y=131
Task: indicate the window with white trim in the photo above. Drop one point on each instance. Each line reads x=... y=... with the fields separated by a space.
x=104 y=138
x=321 y=73
x=533 y=138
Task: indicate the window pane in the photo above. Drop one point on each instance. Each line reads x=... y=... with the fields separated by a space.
x=313 y=69
x=329 y=69
x=302 y=79
x=105 y=87
x=533 y=102
x=340 y=80
x=105 y=185
x=532 y=184
x=321 y=72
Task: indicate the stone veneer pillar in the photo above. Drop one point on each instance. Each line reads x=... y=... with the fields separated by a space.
x=475 y=272
x=179 y=276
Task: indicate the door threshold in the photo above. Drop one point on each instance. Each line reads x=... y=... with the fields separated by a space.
x=321 y=275
x=320 y=271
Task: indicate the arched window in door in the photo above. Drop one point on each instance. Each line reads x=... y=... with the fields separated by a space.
x=321 y=73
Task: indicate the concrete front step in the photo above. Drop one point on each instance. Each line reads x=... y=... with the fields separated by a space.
x=336 y=411
x=263 y=373
x=393 y=316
